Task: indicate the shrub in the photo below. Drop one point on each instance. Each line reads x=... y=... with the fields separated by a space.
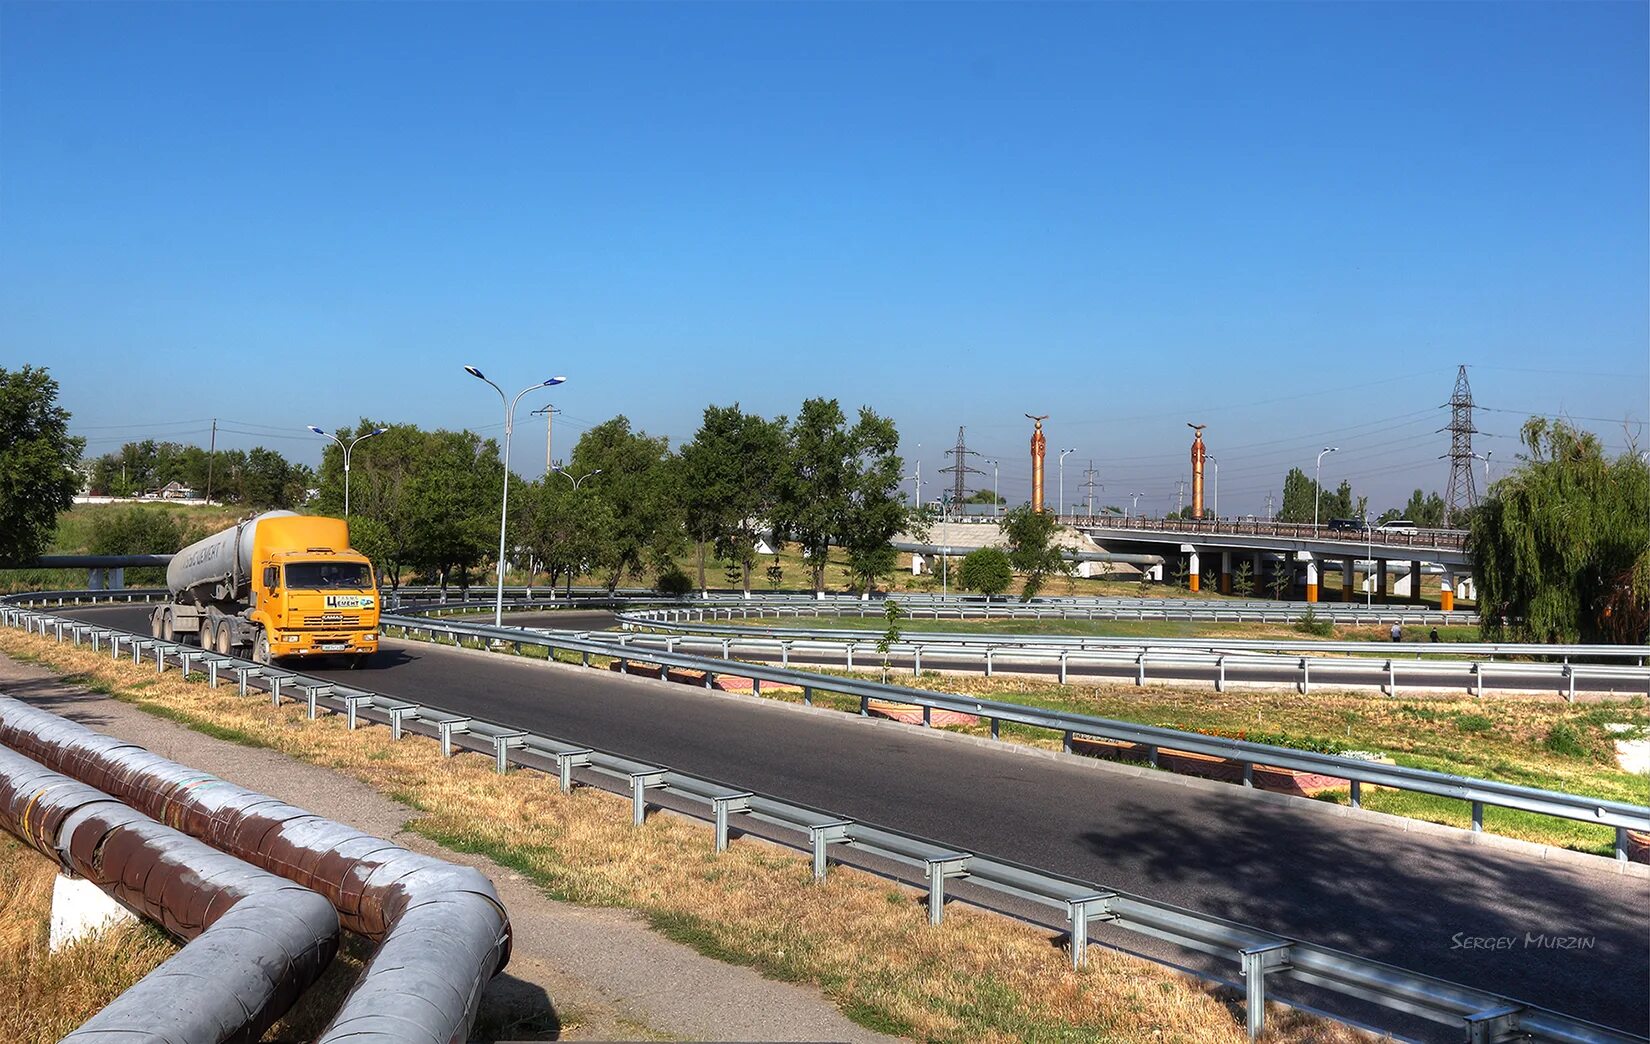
x=1473 y=723
x=674 y=583
x=1315 y=625
x=986 y=570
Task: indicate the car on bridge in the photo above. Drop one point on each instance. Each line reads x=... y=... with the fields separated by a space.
x=1343 y=525
x=1398 y=525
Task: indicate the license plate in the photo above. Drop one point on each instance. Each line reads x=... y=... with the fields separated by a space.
x=333 y=646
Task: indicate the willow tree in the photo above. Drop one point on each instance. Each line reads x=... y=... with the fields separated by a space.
x=1561 y=547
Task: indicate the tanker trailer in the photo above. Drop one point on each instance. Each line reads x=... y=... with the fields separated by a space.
x=276 y=586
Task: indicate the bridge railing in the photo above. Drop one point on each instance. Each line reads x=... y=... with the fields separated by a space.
x=1080 y=908
x=1420 y=539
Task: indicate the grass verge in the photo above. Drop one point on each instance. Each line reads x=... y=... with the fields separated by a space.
x=861 y=940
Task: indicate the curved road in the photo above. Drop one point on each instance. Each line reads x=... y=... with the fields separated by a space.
x=1414 y=900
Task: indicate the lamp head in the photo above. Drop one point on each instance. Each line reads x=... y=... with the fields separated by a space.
x=316 y=430
x=379 y=431
x=552 y=382
x=473 y=372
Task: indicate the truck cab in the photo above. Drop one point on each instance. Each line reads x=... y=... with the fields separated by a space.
x=311 y=603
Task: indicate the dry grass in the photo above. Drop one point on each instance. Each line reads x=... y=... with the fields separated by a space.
x=44 y=995
x=862 y=940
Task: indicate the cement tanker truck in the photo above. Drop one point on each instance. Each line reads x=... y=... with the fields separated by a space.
x=277 y=586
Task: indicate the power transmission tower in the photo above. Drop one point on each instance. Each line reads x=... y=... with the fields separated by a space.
x=1090 y=485
x=959 y=470
x=1462 y=494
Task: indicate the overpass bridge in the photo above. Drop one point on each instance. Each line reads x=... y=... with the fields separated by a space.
x=1302 y=547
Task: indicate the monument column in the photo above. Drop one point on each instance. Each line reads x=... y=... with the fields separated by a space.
x=1197 y=469
x=1039 y=447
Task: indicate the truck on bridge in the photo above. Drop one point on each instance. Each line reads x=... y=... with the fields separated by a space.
x=279 y=585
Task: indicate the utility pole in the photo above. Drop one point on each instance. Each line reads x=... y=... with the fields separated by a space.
x=1180 y=497
x=959 y=470
x=549 y=418
x=1089 y=484
x=1461 y=496
x=211 y=456
x=1268 y=507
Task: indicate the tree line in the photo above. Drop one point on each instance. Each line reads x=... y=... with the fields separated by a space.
x=627 y=506
x=258 y=478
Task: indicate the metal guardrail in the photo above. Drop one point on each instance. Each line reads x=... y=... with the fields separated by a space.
x=1180 y=609
x=1263 y=958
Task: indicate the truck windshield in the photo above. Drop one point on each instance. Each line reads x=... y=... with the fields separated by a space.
x=313 y=575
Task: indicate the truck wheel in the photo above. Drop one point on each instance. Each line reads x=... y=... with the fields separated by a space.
x=156 y=622
x=260 y=648
x=168 y=627
x=226 y=638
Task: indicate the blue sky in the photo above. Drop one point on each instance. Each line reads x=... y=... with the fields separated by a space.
x=1290 y=222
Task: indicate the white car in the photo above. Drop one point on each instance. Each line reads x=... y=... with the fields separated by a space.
x=1398 y=525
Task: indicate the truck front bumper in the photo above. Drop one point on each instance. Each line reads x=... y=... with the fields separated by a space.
x=304 y=643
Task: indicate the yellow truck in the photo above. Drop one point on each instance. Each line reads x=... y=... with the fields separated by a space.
x=277 y=586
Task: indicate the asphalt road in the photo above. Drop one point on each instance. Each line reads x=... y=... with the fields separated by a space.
x=1415 y=900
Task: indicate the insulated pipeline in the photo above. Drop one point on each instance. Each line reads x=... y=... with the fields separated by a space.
x=255 y=940
x=443 y=932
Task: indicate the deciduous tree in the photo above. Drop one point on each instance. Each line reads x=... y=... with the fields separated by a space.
x=38 y=477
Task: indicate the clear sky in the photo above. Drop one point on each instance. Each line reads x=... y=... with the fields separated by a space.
x=1290 y=222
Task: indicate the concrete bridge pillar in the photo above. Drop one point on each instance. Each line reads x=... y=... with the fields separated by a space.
x=1194 y=579
x=1311 y=575
x=1380 y=579
x=1347 y=565
x=1415 y=581
x=917 y=562
x=1446 y=590
x=1226 y=572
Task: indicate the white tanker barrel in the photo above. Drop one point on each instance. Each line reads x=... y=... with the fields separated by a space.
x=218 y=567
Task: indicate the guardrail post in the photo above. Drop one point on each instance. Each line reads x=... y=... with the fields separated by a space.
x=1357 y=799
x=808 y=695
x=1570 y=679
x=275 y=691
x=1478 y=678
x=848 y=663
x=864 y=706
x=1079 y=913
x=211 y=674
x=1248 y=773
x=1065 y=742
x=1621 y=844
x=1063 y=654
x=710 y=680
x=1306 y=677
x=448 y=729
x=314 y=692
x=1151 y=754
x=1391 y=679
x=720 y=807
x=351 y=712
x=785 y=655
x=566 y=762
x=988 y=654
x=822 y=834
x=937 y=869
x=756 y=686
x=397 y=716
x=1478 y=817
x=916 y=661
x=1493 y=1026
x=1257 y=961
x=501 y=749
x=640 y=784
x=1140 y=668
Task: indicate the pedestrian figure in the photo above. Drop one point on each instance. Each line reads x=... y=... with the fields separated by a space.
x=1434 y=634
x=1397 y=632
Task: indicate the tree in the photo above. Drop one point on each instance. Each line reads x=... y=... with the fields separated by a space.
x=986 y=570
x=1302 y=500
x=1032 y=550
x=984 y=496
x=1426 y=511
x=729 y=483
x=841 y=485
x=38 y=477
x=566 y=529
x=1562 y=549
x=1243 y=581
x=892 y=614
x=640 y=485
x=449 y=511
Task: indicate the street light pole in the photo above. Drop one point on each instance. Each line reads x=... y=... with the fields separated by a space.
x=1136 y=497
x=504 y=501
x=1063 y=478
x=576 y=483
x=1317 y=483
x=996 y=500
x=348 y=449
x=1214 y=492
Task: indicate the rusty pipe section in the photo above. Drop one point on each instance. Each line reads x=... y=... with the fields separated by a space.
x=443 y=934
x=255 y=941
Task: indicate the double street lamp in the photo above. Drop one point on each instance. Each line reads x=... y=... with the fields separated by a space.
x=1063 y=478
x=1317 y=483
x=504 y=503
x=347 y=447
x=563 y=472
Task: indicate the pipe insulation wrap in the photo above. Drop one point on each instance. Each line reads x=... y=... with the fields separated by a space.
x=255 y=941
x=443 y=931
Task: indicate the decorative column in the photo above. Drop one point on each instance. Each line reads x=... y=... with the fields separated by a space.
x=1039 y=448
x=1197 y=469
